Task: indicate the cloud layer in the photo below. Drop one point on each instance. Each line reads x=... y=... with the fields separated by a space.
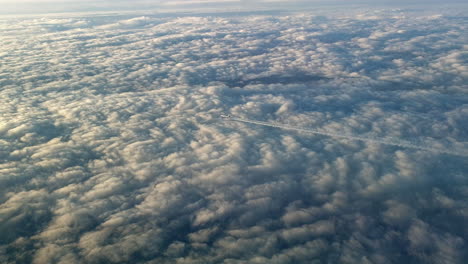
x=112 y=147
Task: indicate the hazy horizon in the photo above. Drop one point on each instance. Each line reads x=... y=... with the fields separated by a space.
x=24 y=7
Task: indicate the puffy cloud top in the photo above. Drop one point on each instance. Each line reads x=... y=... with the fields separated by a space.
x=113 y=149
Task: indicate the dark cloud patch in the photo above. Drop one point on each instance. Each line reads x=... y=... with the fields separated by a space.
x=275 y=79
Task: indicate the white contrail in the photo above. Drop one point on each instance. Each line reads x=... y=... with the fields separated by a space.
x=384 y=141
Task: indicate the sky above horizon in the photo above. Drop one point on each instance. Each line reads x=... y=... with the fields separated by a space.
x=64 y=6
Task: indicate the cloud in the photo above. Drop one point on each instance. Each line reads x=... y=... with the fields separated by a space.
x=113 y=148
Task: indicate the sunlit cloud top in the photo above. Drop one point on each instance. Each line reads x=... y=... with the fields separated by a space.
x=114 y=148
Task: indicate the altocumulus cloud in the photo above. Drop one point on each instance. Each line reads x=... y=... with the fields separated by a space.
x=112 y=149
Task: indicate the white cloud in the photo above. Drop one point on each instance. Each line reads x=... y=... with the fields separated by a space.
x=113 y=150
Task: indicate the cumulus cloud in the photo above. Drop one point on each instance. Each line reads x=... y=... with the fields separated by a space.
x=113 y=148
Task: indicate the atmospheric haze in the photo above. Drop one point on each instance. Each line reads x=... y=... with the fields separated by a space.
x=113 y=149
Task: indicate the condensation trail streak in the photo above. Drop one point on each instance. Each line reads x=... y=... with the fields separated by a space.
x=384 y=141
